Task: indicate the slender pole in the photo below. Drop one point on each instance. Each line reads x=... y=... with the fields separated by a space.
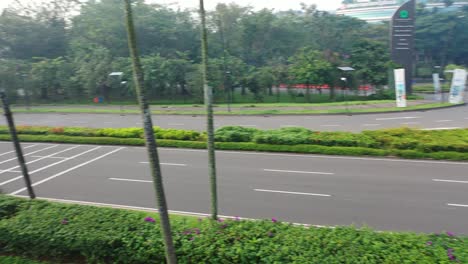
x=209 y=112
x=149 y=136
x=16 y=144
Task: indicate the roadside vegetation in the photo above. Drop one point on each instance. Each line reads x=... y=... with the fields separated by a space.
x=401 y=142
x=63 y=233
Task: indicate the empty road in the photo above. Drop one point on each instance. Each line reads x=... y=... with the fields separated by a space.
x=434 y=119
x=386 y=194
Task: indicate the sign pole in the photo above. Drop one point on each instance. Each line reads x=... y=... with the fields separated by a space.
x=19 y=151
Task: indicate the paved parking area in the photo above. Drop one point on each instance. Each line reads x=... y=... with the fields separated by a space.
x=386 y=194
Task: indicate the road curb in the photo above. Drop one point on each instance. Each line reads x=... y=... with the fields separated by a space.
x=259 y=115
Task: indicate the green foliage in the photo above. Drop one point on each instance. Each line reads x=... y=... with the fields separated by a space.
x=235 y=134
x=98 y=235
x=18 y=260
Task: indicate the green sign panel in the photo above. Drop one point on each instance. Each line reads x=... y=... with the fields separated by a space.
x=404 y=14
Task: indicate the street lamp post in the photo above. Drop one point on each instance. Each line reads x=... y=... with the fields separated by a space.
x=121 y=83
x=345 y=69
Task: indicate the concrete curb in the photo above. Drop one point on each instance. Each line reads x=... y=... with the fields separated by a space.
x=261 y=115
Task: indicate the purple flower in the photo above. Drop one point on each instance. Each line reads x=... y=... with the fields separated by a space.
x=187 y=232
x=191 y=239
x=65 y=221
x=429 y=243
x=150 y=220
x=220 y=220
x=270 y=234
x=450 y=250
x=197 y=231
x=274 y=220
x=224 y=226
x=237 y=218
x=450 y=234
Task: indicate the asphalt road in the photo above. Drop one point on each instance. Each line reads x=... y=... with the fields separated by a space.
x=434 y=119
x=386 y=194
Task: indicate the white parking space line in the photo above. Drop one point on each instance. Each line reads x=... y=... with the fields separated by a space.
x=48 y=166
x=301 y=172
x=287 y=192
x=441 y=128
x=49 y=157
x=70 y=169
x=6 y=153
x=451 y=181
x=29 y=154
x=458 y=205
x=129 y=180
x=39 y=159
x=443 y=121
x=397 y=118
x=166 y=164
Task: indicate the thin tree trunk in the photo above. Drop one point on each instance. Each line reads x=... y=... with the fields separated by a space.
x=209 y=112
x=149 y=136
x=16 y=144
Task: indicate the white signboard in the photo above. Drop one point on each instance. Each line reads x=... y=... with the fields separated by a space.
x=437 y=88
x=400 y=87
x=458 y=86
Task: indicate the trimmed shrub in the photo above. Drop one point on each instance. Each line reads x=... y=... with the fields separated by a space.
x=235 y=134
x=85 y=234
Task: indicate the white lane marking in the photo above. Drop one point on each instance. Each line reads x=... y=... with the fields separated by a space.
x=452 y=181
x=411 y=123
x=129 y=180
x=44 y=157
x=330 y=125
x=443 y=121
x=458 y=205
x=71 y=169
x=166 y=164
x=286 y=192
x=302 y=172
x=48 y=166
x=175 y=124
x=397 y=118
x=15 y=150
x=49 y=157
x=322 y=157
x=2 y=171
x=291 y=126
x=28 y=154
x=441 y=128
x=367 y=125
x=138 y=208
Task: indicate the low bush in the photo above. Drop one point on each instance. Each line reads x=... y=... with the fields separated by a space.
x=235 y=134
x=62 y=233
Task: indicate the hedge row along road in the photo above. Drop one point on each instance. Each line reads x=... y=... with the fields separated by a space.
x=386 y=194
x=456 y=117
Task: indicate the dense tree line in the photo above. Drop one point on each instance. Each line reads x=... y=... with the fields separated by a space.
x=66 y=49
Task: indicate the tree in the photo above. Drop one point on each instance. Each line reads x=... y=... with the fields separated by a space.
x=209 y=114
x=149 y=135
x=308 y=66
x=371 y=61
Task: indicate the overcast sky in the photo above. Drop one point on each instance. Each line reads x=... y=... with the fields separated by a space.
x=258 y=4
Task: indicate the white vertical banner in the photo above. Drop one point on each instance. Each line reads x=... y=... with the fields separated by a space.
x=400 y=87
x=458 y=86
x=437 y=88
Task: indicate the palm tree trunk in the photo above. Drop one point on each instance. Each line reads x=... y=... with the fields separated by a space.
x=209 y=112
x=149 y=136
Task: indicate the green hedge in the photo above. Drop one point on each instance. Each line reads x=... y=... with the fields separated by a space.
x=69 y=233
x=401 y=142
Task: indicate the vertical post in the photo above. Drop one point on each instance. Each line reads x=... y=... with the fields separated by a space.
x=16 y=144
